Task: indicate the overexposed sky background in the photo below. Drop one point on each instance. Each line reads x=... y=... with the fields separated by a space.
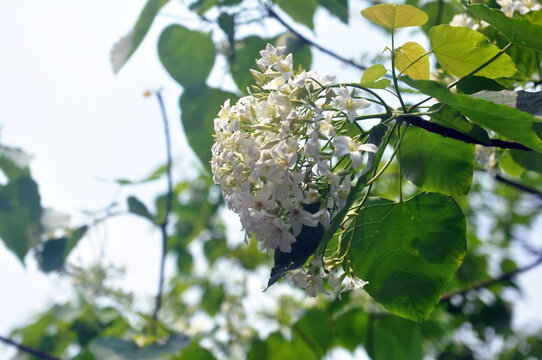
x=61 y=102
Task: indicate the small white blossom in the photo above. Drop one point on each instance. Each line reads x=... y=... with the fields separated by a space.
x=345 y=145
x=271 y=55
x=349 y=105
x=463 y=20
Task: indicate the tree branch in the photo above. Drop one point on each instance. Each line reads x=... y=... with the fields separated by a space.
x=483 y=284
x=28 y=350
x=519 y=186
x=169 y=200
x=274 y=15
x=454 y=134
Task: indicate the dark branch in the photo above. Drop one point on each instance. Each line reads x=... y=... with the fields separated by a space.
x=454 y=134
x=28 y=350
x=519 y=186
x=274 y=15
x=484 y=284
x=169 y=200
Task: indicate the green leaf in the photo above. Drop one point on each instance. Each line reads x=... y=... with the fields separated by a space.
x=373 y=73
x=300 y=50
x=514 y=124
x=278 y=348
x=257 y=350
x=127 y=45
x=451 y=118
x=315 y=327
x=118 y=349
x=439 y=13
x=249 y=256
x=51 y=255
x=199 y=107
x=406 y=55
x=338 y=8
x=212 y=299
x=529 y=160
x=227 y=24
x=247 y=50
x=20 y=212
x=215 y=248
x=473 y=84
x=520 y=31
x=301 y=11
x=436 y=163
x=351 y=328
x=185 y=260
x=194 y=352
x=396 y=339
x=137 y=207
x=376 y=136
x=408 y=251
x=395 y=16
x=460 y=51
x=187 y=55
x=53 y=252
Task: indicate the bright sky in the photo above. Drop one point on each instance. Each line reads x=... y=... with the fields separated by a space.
x=60 y=101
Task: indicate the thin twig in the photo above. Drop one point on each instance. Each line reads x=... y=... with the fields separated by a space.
x=28 y=350
x=454 y=134
x=484 y=284
x=519 y=186
x=169 y=200
x=274 y=15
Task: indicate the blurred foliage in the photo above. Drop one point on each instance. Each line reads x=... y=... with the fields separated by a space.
x=211 y=307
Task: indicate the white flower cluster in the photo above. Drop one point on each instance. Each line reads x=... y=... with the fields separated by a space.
x=463 y=20
x=278 y=150
x=509 y=7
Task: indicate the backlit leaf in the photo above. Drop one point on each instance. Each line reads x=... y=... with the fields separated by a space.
x=187 y=55
x=407 y=251
x=520 y=31
x=410 y=56
x=514 y=124
x=436 y=163
x=370 y=77
x=373 y=73
x=129 y=43
x=395 y=16
x=460 y=51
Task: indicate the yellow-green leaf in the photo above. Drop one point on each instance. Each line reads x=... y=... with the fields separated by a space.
x=460 y=51
x=411 y=61
x=395 y=16
x=373 y=73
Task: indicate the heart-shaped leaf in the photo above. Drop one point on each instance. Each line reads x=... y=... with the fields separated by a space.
x=460 y=51
x=395 y=16
x=410 y=60
x=407 y=251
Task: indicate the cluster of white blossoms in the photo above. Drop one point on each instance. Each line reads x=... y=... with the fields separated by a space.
x=509 y=7
x=283 y=150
